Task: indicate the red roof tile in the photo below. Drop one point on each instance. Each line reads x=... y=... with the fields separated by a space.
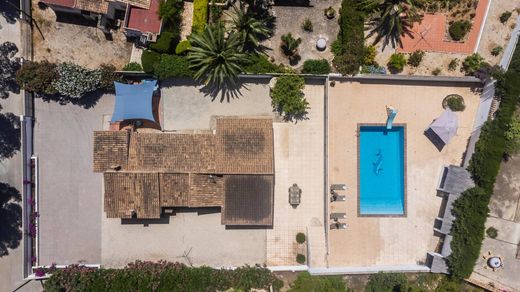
x=145 y=20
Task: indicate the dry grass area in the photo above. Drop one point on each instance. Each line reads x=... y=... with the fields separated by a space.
x=80 y=44
x=495 y=33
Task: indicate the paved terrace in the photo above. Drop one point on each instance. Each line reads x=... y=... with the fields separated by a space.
x=400 y=240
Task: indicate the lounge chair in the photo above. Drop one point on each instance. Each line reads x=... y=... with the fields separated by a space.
x=337 y=216
x=337 y=198
x=338 y=225
x=338 y=187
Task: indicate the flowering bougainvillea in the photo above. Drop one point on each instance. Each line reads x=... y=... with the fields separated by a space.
x=75 y=81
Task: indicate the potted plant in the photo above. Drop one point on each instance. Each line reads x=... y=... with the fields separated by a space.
x=330 y=13
x=300 y=238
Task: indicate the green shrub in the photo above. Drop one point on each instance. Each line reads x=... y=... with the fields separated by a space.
x=437 y=71
x=165 y=43
x=504 y=17
x=492 y=232
x=336 y=47
x=306 y=282
x=512 y=135
x=300 y=237
x=454 y=63
x=133 y=66
x=496 y=51
x=454 y=102
x=200 y=15
x=182 y=47
x=300 y=259
x=396 y=63
x=75 y=81
x=369 y=56
x=149 y=59
x=386 y=282
x=215 y=12
x=288 y=98
x=161 y=276
x=307 y=25
x=259 y=64
x=459 y=29
x=472 y=63
x=171 y=14
x=352 y=38
x=416 y=58
x=37 y=76
x=108 y=76
x=470 y=211
x=316 y=67
x=172 y=66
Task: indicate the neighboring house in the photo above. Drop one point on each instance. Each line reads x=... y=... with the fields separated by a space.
x=147 y=174
x=138 y=18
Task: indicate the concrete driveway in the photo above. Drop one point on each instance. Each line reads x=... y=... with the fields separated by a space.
x=70 y=193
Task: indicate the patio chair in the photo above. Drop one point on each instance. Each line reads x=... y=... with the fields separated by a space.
x=337 y=198
x=338 y=225
x=337 y=216
x=338 y=187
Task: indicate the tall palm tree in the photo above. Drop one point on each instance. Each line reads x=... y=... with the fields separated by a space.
x=214 y=57
x=249 y=28
x=394 y=20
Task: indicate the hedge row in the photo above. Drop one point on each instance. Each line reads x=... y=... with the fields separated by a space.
x=200 y=15
x=471 y=209
x=351 y=38
x=161 y=276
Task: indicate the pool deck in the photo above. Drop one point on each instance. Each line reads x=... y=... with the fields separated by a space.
x=391 y=241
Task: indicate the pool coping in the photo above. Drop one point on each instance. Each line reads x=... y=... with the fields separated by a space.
x=405 y=150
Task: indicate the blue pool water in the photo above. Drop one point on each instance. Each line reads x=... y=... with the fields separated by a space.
x=381 y=170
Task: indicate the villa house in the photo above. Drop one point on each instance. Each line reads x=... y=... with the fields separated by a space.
x=148 y=174
x=137 y=18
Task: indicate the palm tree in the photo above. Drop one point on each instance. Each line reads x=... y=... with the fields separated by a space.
x=394 y=20
x=214 y=57
x=290 y=47
x=249 y=28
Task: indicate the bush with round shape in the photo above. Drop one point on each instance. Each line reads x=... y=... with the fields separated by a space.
x=149 y=59
x=300 y=259
x=307 y=25
x=133 y=66
x=437 y=71
x=454 y=102
x=316 y=67
x=165 y=43
x=492 y=232
x=454 y=63
x=108 y=76
x=459 y=29
x=75 y=81
x=172 y=66
x=300 y=237
x=396 y=63
x=497 y=51
x=416 y=58
x=183 y=47
x=369 y=56
x=472 y=63
x=37 y=76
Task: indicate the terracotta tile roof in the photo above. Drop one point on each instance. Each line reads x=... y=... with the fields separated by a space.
x=248 y=200
x=206 y=191
x=110 y=149
x=245 y=146
x=179 y=153
x=175 y=189
x=127 y=192
x=145 y=19
x=97 y=6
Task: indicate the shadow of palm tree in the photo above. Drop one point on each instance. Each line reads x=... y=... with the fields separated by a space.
x=9 y=135
x=11 y=218
x=225 y=92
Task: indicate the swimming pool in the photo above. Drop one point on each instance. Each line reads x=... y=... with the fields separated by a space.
x=381 y=170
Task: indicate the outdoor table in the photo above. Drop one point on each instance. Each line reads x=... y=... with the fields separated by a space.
x=295 y=194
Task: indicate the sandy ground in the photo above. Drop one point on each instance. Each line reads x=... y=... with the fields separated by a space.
x=385 y=240
x=495 y=33
x=83 y=45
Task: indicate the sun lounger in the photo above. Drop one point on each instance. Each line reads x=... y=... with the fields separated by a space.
x=337 y=198
x=337 y=216
x=338 y=187
x=338 y=225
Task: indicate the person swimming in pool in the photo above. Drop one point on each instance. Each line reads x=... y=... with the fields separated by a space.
x=379 y=162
